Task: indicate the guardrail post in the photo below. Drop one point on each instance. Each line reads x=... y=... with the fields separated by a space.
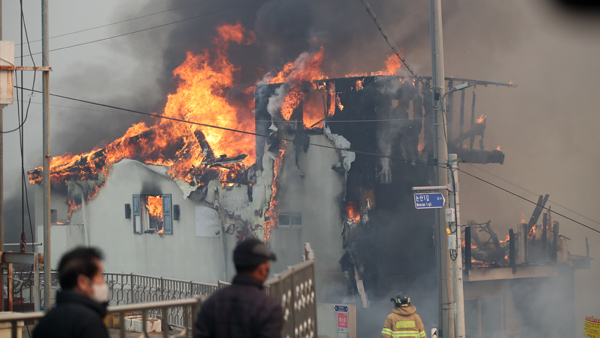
x=132 y=288
x=162 y=289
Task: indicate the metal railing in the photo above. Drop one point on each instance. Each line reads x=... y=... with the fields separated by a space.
x=131 y=288
x=294 y=288
x=186 y=308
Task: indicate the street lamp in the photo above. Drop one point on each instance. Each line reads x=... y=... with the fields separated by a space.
x=461 y=87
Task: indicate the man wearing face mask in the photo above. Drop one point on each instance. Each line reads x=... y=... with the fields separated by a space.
x=81 y=302
x=243 y=310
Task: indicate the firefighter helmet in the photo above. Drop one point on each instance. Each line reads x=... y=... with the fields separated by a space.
x=401 y=300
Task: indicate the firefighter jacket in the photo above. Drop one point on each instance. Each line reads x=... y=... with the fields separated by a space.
x=403 y=322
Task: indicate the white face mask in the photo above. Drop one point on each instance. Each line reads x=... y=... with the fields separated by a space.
x=100 y=292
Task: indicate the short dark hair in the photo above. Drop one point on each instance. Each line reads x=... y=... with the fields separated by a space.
x=79 y=261
x=249 y=254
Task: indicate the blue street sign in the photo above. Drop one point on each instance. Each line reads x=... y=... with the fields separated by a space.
x=340 y=308
x=429 y=201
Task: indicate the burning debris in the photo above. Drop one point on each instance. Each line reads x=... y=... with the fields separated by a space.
x=532 y=243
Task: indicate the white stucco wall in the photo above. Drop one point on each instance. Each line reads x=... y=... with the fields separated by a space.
x=316 y=194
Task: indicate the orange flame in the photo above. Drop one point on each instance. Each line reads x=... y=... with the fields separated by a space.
x=523 y=220
x=339 y=103
x=392 y=65
x=481 y=119
x=352 y=211
x=204 y=80
x=498 y=148
x=154 y=204
x=359 y=85
x=272 y=215
x=306 y=68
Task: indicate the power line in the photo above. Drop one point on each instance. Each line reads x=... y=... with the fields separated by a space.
x=235 y=130
x=531 y=192
x=119 y=22
x=528 y=200
x=235 y=120
x=309 y=143
x=149 y=28
x=393 y=46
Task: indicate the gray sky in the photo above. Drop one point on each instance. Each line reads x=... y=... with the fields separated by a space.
x=547 y=126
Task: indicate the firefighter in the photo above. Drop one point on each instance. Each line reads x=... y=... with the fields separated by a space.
x=403 y=321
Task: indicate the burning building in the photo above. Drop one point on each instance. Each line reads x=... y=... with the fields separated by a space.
x=301 y=158
x=523 y=285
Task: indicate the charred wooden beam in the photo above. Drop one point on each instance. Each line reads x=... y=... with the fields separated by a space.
x=209 y=155
x=462 y=114
x=544 y=242
x=512 y=251
x=472 y=120
x=478 y=156
x=468 y=248
x=555 y=233
x=537 y=211
x=493 y=235
x=478 y=129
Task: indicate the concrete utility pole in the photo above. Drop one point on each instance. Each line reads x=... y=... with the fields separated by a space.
x=1 y=183
x=46 y=146
x=457 y=266
x=441 y=144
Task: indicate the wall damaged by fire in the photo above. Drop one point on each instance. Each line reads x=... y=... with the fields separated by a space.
x=357 y=209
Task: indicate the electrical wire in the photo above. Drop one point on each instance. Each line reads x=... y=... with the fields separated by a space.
x=393 y=46
x=531 y=192
x=239 y=131
x=528 y=200
x=234 y=120
x=312 y=144
x=119 y=22
x=150 y=28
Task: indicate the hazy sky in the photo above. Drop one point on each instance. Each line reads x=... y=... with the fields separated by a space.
x=547 y=126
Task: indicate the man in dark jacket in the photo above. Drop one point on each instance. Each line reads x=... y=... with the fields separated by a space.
x=243 y=310
x=81 y=302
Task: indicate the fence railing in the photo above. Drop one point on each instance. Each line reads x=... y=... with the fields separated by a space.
x=142 y=313
x=150 y=298
x=127 y=288
x=131 y=288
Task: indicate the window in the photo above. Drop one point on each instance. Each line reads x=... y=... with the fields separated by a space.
x=288 y=219
x=53 y=216
x=152 y=214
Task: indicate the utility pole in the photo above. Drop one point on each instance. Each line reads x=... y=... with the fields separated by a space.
x=441 y=144
x=1 y=182
x=457 y=268
x=46 y=146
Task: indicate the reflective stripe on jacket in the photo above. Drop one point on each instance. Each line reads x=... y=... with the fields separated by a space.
x=403 y=322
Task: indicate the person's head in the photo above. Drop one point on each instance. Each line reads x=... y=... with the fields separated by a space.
x=252 y=257
x=81 y=270
x=401 y=300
